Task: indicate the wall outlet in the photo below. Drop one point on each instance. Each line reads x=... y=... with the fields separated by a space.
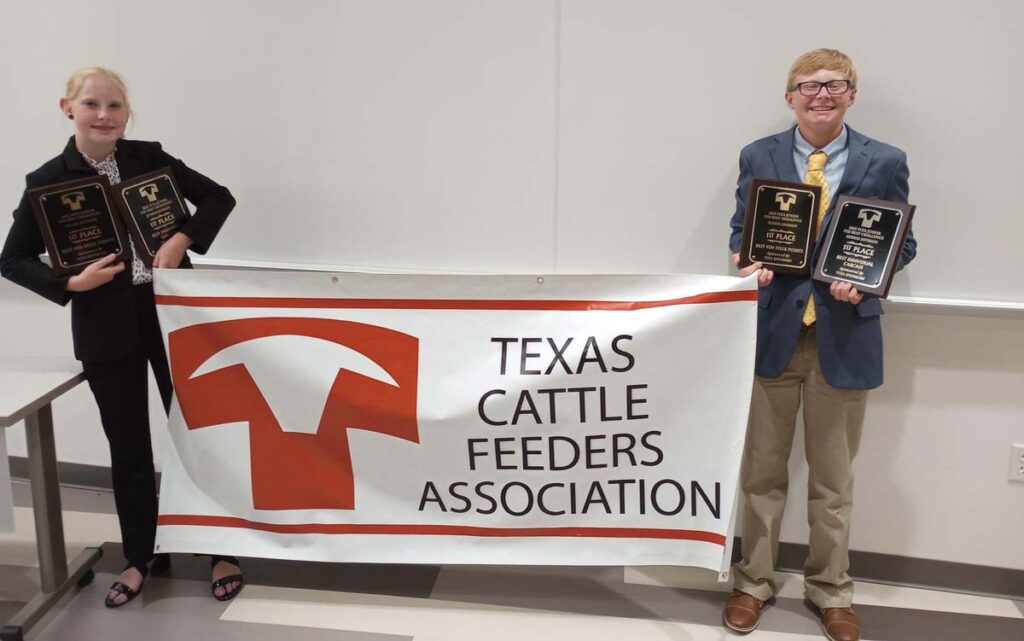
x=1017 y=462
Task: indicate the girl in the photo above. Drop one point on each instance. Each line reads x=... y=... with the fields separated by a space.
x=113 y=316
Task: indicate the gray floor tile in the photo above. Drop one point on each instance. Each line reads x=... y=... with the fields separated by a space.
x=180 y=606
x=169 y=610
x=392 y=580
x=895 y=624
x=599 y=591
x=18 y=584
x=9 y=608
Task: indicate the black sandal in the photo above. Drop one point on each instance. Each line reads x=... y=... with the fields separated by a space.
x=120 y=588
x=223 y=582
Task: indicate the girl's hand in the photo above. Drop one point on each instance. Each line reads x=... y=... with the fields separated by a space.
x=172 y=251
x=99 y=273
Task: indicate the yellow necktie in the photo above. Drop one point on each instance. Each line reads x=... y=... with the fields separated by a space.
x=816 y=176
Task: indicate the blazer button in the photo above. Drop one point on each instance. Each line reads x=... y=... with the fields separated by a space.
x=800 y=303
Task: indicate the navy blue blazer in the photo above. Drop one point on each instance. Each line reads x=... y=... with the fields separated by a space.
x=849 y=336
x=103 y=320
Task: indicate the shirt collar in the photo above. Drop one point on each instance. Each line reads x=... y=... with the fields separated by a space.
x=76 y=161
x=805 y=149
x=109 y=160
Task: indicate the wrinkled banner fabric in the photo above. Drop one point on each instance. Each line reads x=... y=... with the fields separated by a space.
x=563 y=420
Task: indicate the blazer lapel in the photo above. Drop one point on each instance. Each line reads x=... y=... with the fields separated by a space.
x=857 y=163
x=782 y=157
x=73 y=160
x=128 y=163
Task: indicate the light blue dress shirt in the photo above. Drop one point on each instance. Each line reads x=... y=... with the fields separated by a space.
x=838 y=151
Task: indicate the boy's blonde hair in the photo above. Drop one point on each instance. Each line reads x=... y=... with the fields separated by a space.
x=831 y=59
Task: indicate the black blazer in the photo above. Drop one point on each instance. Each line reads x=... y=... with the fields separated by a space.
x=103 y=321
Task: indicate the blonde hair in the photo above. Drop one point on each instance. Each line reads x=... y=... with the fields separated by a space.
x=77 y=81
x=830 y=59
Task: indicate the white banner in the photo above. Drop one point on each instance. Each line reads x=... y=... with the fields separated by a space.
x=563 y=420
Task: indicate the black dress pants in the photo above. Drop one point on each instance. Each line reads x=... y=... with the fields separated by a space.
x=121 y=389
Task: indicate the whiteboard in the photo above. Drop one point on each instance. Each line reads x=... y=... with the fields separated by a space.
x=521 y=136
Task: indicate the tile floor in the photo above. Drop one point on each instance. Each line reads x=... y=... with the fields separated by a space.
x=352 y=602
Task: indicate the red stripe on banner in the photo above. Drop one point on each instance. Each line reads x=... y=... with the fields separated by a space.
x=445 y=530
x=455 y=304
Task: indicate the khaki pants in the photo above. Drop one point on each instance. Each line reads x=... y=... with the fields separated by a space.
x=833 y=419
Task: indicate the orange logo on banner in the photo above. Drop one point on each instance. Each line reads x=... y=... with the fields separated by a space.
x=296 y=471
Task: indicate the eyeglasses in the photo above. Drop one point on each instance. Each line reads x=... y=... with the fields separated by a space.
x=833 y=87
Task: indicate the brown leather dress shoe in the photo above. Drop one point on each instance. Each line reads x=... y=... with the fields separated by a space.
x=742 y=612
x=840 y=624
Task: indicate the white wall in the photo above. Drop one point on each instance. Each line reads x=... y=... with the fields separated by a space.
x=932 y=473
x=658 y=96
x=579 y=136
